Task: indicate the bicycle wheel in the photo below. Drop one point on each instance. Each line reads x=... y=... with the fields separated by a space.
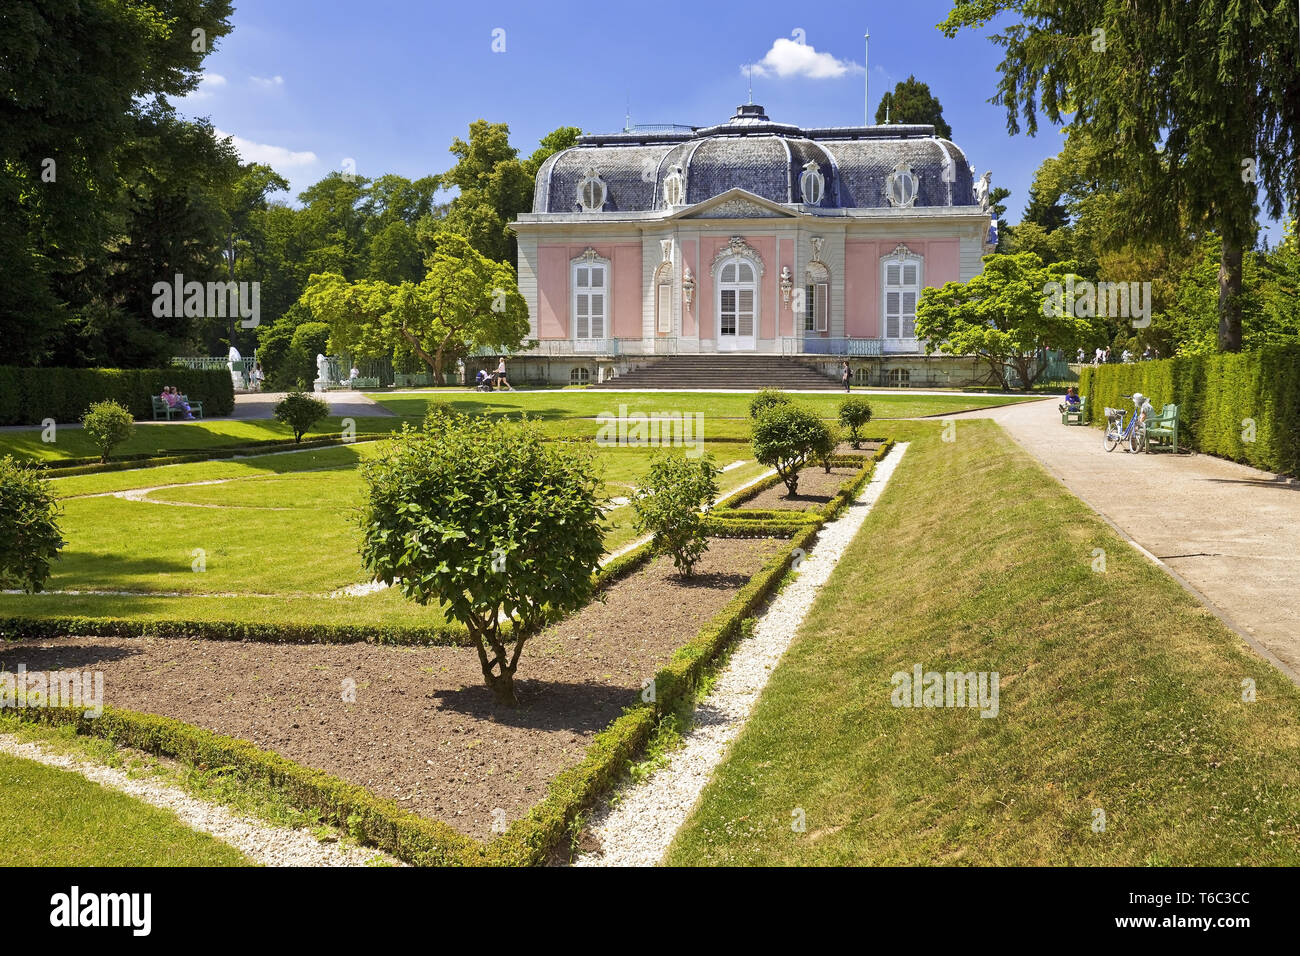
x=1110 y=439
x=1137 y=442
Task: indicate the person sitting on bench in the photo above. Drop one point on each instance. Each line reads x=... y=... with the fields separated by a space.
x=173 y=398
x=1071 y=403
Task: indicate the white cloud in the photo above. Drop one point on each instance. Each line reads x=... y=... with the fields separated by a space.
x=209 y=83
x=267 y=83
x=790 y=58
x=275 y=156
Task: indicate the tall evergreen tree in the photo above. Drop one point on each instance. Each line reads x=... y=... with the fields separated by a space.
x=1194 y=108
x=912 y=102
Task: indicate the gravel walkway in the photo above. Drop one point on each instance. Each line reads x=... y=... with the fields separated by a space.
x=637 y=830
x=264 y=844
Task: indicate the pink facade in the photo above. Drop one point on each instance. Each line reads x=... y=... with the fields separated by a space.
x=633 y=288
x=554 y=296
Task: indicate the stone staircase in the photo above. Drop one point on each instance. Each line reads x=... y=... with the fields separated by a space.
x=703 y=372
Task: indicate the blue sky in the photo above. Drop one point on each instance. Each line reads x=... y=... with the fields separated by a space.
x=308 y=84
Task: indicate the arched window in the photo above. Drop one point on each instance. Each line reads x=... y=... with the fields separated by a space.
x=901 y=288
x=898 y=378
x=737 y=304
x=579 y=376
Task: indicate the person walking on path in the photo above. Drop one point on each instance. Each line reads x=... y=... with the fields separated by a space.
x=846 y=375
x=501 y=374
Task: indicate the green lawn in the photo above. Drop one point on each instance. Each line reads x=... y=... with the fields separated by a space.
x=51 y=817
x=277 y=533
x=163 y=439
x=552 y=406
x=1119 y=693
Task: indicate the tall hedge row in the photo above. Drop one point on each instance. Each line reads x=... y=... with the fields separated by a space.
x=1218 y=399
x=30 y=395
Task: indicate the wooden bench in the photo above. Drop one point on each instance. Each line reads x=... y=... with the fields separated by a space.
x=1164 y=426
x=1074 y=416
x=164 y=411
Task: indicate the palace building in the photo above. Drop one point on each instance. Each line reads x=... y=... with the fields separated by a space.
x=749 y=238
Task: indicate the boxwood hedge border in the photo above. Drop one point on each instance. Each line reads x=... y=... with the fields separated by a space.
x=532 y=839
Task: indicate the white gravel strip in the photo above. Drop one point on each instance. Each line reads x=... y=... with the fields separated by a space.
x=637 y=830
x=268 y=845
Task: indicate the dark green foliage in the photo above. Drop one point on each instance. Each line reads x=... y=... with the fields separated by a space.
x=28 y=396
x=854 y=415
x=787 y=437
x=29 y=528
x=107 y=425
x=301 y=412
x=490 y=521
x=669 y=503
x=912 y=102
x=766 y=399
x=1218 y=399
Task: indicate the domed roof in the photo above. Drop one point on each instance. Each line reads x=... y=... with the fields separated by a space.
x=753 y=153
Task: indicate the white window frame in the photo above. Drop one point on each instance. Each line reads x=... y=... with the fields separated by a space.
x=593 y=263
x=901 y=257
x=754 y=286
x=817 y=297
x=816 y=316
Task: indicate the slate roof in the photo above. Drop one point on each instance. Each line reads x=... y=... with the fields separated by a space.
x=766 y=158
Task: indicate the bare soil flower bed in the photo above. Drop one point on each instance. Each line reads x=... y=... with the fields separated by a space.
x=816 y=488
x=424 y=729
x=868 y=448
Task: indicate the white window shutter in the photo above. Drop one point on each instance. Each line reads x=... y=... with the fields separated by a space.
x=822 y=304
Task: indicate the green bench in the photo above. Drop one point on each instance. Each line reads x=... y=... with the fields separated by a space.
x=1074 y=416
x=1164 y=427
x=161 y=410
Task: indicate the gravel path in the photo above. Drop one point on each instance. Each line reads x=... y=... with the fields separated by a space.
x=637 y=830
x=265 y=844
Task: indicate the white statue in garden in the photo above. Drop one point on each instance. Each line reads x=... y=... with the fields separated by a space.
x=236 y=369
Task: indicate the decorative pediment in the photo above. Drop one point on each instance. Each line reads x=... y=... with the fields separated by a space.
x=736 y=203
x=902 y=252
x=737 y=246
x=589 y=256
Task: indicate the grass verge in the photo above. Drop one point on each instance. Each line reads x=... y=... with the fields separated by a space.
x=1119 y=693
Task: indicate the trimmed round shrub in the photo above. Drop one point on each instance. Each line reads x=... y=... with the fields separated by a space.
x=787 y=437
x=301 y=412
x=669 y=505
x=854 y=415
x=107 y=425
x=767 y=398
x=29 y=527
x=491 y=521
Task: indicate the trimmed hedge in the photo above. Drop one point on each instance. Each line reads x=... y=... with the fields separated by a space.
x=1214 y=395
x=28 y=396
x=533 y=838
x=37 y=628
x=381 y=823
x=449 y=634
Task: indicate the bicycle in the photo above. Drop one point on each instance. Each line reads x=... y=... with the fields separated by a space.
x=1133 y=437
